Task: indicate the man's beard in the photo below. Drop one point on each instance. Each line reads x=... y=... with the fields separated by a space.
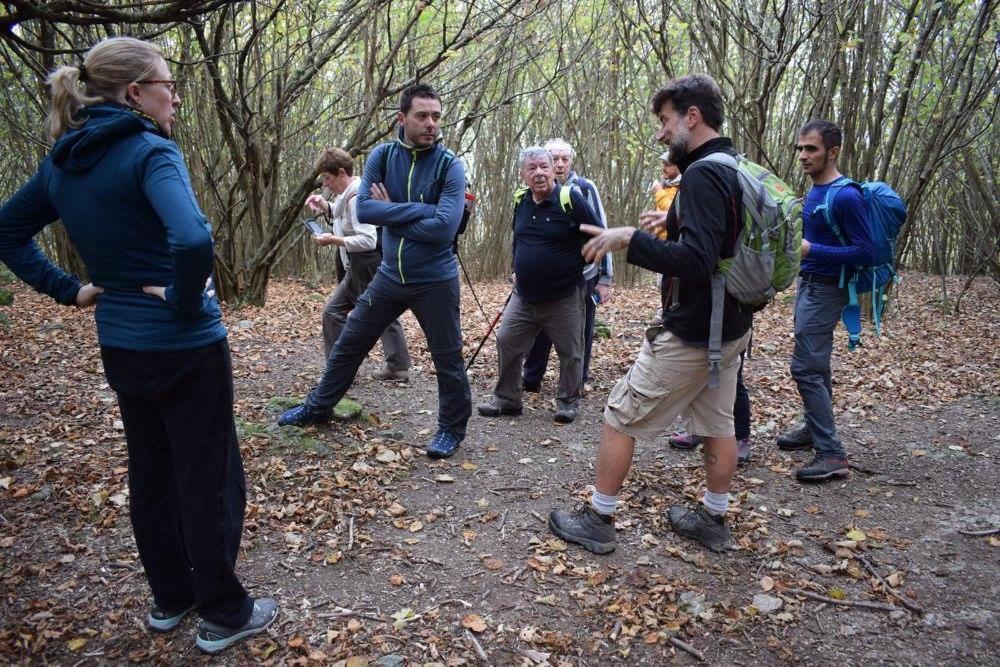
x=679 y=144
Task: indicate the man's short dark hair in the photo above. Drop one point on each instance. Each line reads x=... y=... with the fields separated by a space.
x=832 y=135
x=416 y=90
x=693 y=90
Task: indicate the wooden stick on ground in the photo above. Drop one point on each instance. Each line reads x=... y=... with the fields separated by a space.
x=843 y=603
x=980 y=533
x=886 y=587
x=687 y=648
x=477 y=646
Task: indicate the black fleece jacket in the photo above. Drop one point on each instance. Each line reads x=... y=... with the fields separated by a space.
x=703 y=229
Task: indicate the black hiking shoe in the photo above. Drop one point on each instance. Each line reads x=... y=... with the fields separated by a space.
x=702 y=526
x=586 y=526
x=821 y=468
x=214 y=638
x=565 y=415
x=493 y=407
x=795 y=440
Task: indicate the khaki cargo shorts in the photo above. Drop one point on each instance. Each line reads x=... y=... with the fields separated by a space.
x=670 y=377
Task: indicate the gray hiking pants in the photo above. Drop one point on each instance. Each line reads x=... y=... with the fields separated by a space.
x=562 y=321
x=817 y=312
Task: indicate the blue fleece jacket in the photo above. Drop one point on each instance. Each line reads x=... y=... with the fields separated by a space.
x=422 y=218
x=123 y=194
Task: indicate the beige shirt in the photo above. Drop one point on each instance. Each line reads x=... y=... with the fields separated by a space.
x=358 y=237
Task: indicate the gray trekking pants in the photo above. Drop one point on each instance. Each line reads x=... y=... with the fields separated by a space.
x=817 y=312
x=562 y=321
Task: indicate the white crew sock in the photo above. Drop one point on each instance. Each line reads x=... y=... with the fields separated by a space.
x=717 y=503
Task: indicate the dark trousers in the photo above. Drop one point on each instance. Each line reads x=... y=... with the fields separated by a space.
x=436 y=307
x=741 y=408
x=356 y=280
x=187 y=491
x=538 y=356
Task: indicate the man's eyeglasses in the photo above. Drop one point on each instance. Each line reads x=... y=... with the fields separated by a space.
x=171 y=84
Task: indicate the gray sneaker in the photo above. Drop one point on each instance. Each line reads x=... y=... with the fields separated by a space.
x=743 y=451
x=161 y=620
x=703 y=526
x=214 y=638
x=586 y=527
x=392 y=376
x=822 y=467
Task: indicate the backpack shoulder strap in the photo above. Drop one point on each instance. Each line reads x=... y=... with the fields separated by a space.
x=385 y=155
x=827 y=206
x=519 y=194
x=565 y=198
x=445 y=158
x=722 y=158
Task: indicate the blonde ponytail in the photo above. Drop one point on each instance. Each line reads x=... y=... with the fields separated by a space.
x=106 y=70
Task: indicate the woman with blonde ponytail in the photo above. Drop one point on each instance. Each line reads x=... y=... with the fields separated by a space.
x=121 y=188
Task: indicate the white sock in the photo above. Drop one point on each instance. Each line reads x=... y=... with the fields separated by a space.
x=717 y=503
x=603 y=504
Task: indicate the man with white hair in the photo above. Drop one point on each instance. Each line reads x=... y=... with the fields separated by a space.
x=549 y=289
x=598 y=276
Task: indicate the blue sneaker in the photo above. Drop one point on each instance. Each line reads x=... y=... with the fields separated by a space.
x=302 y=415
x=443 y=445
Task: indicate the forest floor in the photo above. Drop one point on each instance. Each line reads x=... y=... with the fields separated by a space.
x=378 y=554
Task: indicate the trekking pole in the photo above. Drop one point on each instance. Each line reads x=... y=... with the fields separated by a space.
x=488 y=332
x=471 y=288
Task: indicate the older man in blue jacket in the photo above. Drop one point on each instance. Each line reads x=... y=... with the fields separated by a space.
x=415 y=190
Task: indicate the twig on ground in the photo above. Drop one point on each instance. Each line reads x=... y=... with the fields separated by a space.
x=443 y=603
x=503 y=524
x=511 y=488
x=350 y=533
x=896 y=482
x=346 y=613
x=843 y=603
x=862 y=469
x=870 y=567
x=615 y=630
x=477 y=646
x=687 y=648
x=537 y=516
x=118 y=565
x=422 y=559
x=980 y=533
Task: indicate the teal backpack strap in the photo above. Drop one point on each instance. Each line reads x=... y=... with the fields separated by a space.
x=851 y=315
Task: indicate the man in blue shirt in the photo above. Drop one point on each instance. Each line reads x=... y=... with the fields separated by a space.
x=549 y=286
x=598 y=276
x=821 y=296
x=414 y=189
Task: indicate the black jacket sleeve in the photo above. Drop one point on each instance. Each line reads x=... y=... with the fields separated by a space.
x=705 y=197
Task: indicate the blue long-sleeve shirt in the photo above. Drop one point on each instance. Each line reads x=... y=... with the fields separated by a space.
x=422 y=218
x=826 y=254
x=122 y=191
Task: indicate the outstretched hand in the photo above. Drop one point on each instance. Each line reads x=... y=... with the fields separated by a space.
x=605 y=241
x=86 y=296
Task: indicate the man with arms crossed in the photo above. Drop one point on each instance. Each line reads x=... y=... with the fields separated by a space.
x=415 y=189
